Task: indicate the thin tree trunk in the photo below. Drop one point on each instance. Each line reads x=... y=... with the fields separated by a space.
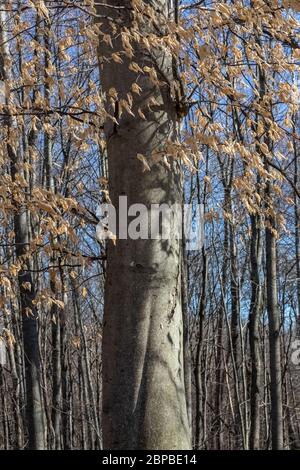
x=274 y=336
x=254 y=319
x=34 y=408
x=272 y=299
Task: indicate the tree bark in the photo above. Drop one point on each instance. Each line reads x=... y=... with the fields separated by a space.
x=254 y=319
x=144 y=403
x=274 y=338
x=34 y=408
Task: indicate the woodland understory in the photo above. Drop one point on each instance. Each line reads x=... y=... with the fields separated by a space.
x=138 y=344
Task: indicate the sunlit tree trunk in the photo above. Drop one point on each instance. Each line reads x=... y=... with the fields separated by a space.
x=144 y=403
x=272 y=299
x=34 y=407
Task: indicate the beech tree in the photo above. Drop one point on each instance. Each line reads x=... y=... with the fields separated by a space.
x=16 y=154
x=126 y=343
x=144 y=404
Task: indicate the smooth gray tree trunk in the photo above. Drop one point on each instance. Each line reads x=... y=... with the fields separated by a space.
x=254 y=320
x=34 y=407
x=144 y=403
x=274 y=340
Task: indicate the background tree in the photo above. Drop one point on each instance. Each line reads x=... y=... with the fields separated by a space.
x=209 y=90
